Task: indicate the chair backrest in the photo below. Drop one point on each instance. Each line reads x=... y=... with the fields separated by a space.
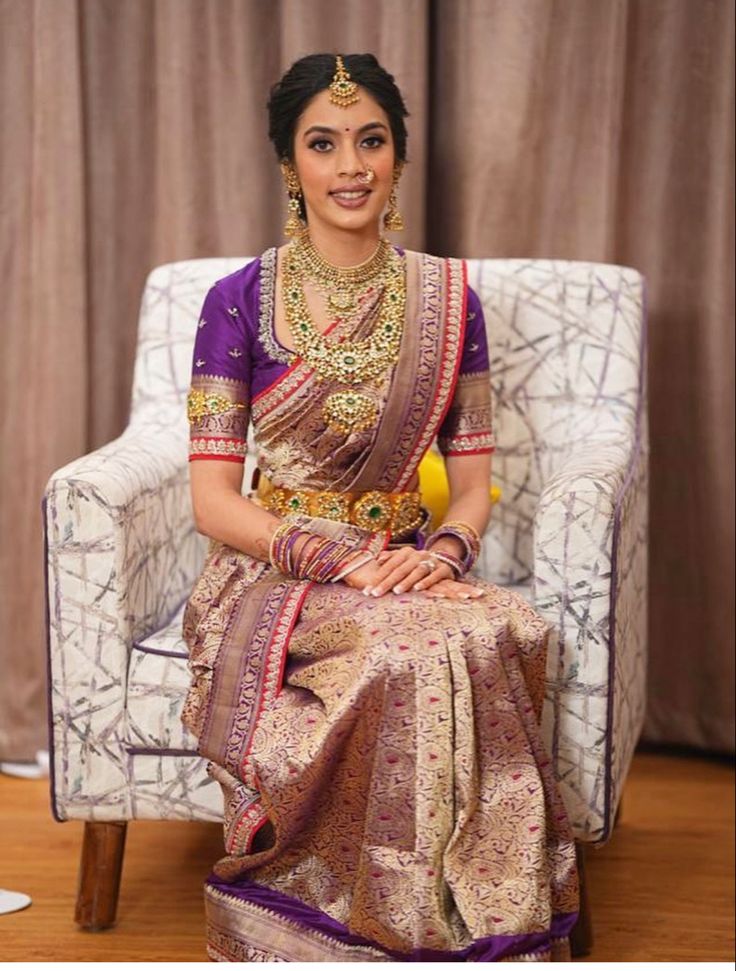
x=565 y=340
x=172 y=299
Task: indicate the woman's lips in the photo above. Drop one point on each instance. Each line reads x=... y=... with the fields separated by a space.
x=351 y=200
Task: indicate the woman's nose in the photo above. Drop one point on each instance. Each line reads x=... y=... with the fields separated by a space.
x=349 y=161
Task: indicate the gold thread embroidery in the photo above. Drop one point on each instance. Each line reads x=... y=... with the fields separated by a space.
x=200 y=404
x=218 y=446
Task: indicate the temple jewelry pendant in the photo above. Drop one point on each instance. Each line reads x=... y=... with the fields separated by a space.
x=342 y=301
x=349 y=411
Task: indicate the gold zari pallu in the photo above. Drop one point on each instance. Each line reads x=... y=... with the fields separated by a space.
x=398 y=512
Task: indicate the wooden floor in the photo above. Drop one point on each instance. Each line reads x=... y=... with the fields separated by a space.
x=662 y=888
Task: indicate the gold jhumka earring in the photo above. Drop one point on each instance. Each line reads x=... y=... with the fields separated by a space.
x=294 y=224
x=392 y=220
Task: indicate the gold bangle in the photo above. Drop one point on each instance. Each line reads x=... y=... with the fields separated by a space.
x=463 y=525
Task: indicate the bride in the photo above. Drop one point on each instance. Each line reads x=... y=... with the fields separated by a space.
x=369 y=706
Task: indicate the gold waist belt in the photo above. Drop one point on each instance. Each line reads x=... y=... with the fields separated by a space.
x=398 y=512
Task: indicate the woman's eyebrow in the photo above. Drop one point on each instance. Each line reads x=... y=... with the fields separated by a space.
x=334 y=131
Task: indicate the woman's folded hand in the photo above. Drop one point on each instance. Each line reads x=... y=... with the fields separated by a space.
x=407 y=570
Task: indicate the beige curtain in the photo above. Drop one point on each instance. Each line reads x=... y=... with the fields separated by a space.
x=134 y=133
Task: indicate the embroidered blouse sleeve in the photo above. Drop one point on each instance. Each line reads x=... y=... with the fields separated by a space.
x=218 y=403
x=467 y=428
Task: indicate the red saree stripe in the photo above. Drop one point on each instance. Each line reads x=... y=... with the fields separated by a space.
x=411 y=458
x=274 y=384
x=463 y=325
x=277 y=650
x=217 y=458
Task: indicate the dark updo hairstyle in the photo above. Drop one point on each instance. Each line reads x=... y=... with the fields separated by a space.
x=314 y=73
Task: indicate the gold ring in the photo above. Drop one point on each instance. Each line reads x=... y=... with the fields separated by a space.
x=432 y=564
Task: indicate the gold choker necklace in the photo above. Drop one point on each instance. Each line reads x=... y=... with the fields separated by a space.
x=344 y=287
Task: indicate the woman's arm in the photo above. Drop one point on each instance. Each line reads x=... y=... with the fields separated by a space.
x=222 y=513
x=468 y=477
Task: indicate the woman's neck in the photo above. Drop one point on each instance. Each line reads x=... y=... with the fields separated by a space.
x=343 y=247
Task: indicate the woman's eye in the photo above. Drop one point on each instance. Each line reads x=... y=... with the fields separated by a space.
x=324 y=144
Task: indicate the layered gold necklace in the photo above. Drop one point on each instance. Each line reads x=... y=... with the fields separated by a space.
x=349 y=362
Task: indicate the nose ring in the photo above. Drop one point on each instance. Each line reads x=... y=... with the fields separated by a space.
x=366 y=177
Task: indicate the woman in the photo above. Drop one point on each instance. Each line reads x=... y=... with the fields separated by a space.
x=369 y=707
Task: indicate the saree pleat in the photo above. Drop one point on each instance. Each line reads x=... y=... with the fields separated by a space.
x=387 y=792
x=402 y=763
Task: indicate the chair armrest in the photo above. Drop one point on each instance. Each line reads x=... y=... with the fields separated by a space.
x=122 y=554
x=590 y=560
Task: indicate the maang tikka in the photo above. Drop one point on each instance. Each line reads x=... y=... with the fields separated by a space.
x=343 y=91
x=294 y=224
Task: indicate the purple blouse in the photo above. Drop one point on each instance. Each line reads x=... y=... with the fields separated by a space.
x=237 y=356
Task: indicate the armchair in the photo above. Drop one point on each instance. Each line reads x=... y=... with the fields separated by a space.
x=568 y=371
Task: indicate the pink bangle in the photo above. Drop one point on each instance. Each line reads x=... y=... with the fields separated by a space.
x=453 y=562
x=354 y=565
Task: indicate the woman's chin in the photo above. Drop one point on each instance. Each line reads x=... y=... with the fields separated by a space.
x=351 y=220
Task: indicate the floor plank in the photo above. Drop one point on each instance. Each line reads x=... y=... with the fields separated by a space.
x=662 y=888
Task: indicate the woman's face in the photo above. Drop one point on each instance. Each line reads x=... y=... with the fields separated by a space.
x=332 y=146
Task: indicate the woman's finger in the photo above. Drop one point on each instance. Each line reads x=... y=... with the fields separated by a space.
x=419 y=575
x=440 y=573
x=461 y=591
x=397 y=579
x=394 y=559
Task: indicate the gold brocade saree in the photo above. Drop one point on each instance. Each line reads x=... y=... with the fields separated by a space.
x=387 y=793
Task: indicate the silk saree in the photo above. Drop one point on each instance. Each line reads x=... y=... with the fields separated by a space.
x=387 y=792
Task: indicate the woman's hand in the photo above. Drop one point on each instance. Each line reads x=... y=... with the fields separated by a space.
x=400 y=571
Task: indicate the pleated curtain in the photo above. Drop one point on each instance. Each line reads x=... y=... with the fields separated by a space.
x=134 y=133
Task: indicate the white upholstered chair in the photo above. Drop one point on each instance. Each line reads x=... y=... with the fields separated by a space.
x=568 y=371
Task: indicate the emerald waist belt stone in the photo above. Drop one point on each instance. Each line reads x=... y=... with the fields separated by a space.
x=397 y=512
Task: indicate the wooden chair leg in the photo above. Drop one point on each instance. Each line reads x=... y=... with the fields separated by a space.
x=581 y=937
x=99 y=875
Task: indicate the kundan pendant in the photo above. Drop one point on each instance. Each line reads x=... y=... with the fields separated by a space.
x=349 y=411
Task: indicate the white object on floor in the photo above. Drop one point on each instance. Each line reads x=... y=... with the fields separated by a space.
x=28 y=770
x=10 y=901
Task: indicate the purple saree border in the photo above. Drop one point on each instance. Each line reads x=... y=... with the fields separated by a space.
x=484 y=949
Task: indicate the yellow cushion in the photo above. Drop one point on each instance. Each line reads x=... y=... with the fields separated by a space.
x=435 y=489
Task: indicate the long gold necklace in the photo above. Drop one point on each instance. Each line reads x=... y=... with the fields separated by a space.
x=350 y=362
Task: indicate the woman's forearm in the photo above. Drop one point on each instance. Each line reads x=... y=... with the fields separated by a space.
x=472 y=506
x=238 y=522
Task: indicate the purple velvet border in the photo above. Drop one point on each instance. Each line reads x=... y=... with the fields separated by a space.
x=484 y=949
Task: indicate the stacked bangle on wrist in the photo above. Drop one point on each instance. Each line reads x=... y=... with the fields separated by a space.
x=468 y=536
x=357 y=561
x=455 y=564
x=319 y=558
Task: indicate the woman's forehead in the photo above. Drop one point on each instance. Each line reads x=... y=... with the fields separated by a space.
x=321 y=111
